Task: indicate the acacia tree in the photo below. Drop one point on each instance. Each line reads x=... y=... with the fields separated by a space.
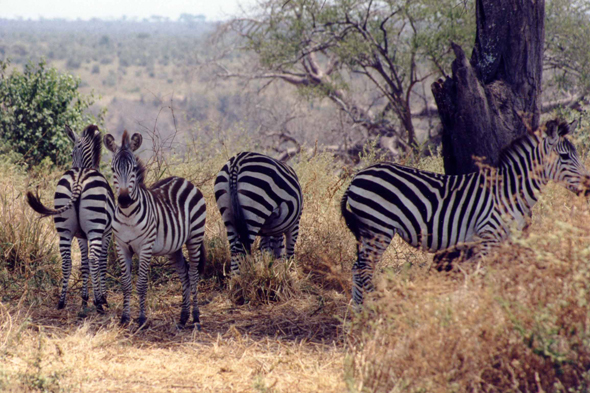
x=324 y=47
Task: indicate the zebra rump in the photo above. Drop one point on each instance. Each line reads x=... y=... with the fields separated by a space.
x=258 y=196
x=93 y=140
x=352 y=223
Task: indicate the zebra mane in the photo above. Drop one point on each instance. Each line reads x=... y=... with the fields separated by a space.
x=522 y=143
x=552 y=128
x=140 y=173
x=95 y=139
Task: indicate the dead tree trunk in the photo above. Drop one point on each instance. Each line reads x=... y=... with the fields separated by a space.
x=482 y=106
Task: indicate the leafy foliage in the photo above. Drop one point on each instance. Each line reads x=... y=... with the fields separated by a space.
x=34 y=107
x=567 y=44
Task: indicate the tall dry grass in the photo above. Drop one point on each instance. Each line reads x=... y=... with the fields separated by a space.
x=520 y=323
x=29 y=258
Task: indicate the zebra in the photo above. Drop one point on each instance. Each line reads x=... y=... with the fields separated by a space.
x=258 y=195
x=155 y=221
x=84 y=206
x=465 y=215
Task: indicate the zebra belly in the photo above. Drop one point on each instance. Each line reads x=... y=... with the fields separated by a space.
x=170 y=240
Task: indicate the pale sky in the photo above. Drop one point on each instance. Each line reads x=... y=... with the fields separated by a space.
x=103 y=9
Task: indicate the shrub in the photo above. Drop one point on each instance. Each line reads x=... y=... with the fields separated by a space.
x=34 y=107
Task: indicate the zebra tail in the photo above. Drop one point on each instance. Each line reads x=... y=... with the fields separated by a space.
x=349 y=217
x=35 y=202
x=202 y=258
x=238 y=213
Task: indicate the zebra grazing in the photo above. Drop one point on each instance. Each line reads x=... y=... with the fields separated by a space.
x=460 y=214
x=155 y=221
x=258 y=195
x=83 y=209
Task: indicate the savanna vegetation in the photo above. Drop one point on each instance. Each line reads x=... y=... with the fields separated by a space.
x=518 y=323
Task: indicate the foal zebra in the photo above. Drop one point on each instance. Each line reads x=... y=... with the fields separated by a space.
x=84 y=209
x=155 y=221
x=469 y=212
x=258 y=195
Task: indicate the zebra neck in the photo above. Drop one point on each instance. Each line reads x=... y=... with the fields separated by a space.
x=519 y=182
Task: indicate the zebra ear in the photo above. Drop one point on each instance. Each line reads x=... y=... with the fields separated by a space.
x=551 y=130
x=71 y=134
x=565 y=128
x=109 y=142
x=136 y=140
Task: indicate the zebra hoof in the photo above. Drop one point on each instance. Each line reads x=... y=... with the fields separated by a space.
x=61 y=304
x=99 y=308
x=141 y=322
x=103 y=301
x=125 y=320
x=183 y=318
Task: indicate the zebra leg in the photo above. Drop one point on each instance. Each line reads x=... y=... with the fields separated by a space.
x=95 y=249
x=145 y=257
x=182 y=269
x=272 y=244
x=83 y=244
x=238 y=254
x=291 y=238
x=369 y=252
x=125 y=259
x=265 y=243
x=102 y=263
x=195 y=253
x=278 y=246
x=444 y=260
x=65 y=247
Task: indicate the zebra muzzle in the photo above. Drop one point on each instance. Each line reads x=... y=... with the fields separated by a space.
x=124 y=200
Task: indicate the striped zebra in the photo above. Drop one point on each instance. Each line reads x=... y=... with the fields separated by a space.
x=83 y=209
x=468 y=214
x=155 y=221
x=258 y=195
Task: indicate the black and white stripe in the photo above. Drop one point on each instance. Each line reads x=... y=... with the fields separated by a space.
x=155 y=221
x=83 y=209
x=258 y=195
x=468 y=213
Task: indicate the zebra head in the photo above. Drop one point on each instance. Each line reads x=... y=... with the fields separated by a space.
x=87 y=148
x=127 y=169
x=562 y=163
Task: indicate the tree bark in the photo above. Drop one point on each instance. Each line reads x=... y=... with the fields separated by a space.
x=491 y=100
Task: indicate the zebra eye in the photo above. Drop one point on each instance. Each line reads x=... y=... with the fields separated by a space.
x=564 y=156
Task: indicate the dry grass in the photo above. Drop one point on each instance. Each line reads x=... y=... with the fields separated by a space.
x=520 y=323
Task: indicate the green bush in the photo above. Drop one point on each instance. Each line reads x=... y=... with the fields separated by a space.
x=34 y=107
